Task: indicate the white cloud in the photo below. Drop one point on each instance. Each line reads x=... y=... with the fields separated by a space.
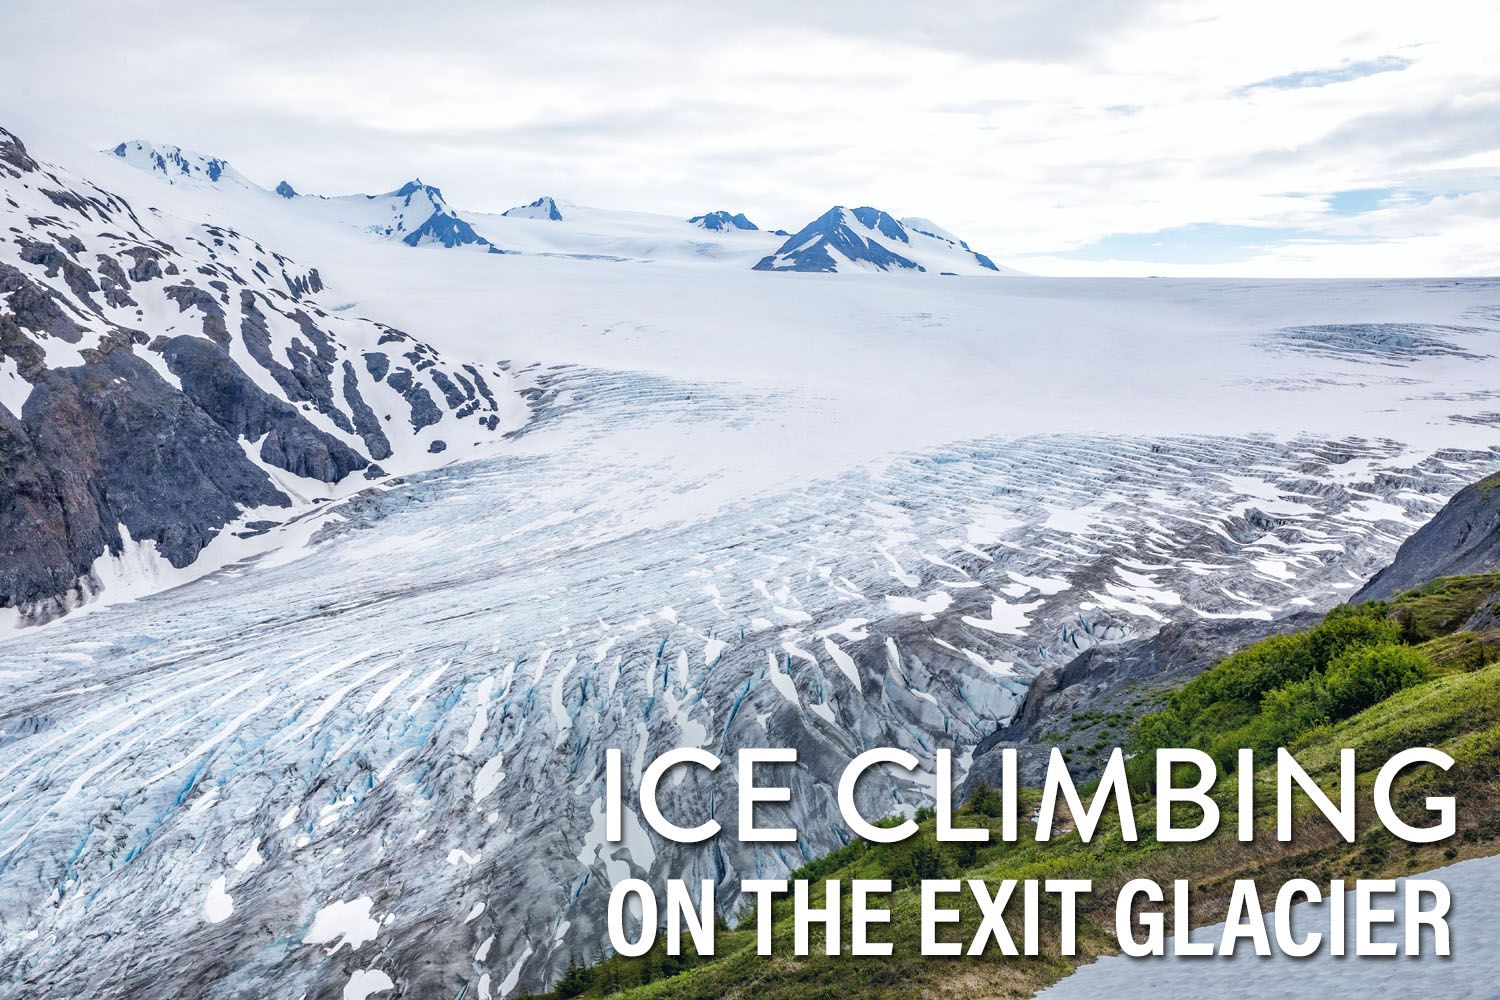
x=1030 y=129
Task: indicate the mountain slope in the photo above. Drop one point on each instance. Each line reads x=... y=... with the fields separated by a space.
x=543 y=208
x=1464 y=537
x=415 y=213
x=176 y=165
x=843 y=239
x=1377 y=684
x=721 y=220
x=750 y=511
x=155 y=393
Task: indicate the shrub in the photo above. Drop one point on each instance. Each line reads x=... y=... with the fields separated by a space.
x=1363 y=677
x=1268 y=694
x=986 y=801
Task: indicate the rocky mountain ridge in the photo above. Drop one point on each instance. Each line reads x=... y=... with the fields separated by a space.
x=1464 y=537
x=866 y=238
x=166 y=394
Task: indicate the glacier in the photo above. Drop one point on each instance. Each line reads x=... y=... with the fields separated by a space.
x=737 y=509
x=1467 y=972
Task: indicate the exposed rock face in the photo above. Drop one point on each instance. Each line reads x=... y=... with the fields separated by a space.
x=36 y=539
x=839 y=231
x=212 y=380
x=1485 y=617
x=103 y=445
x=187 y=297
x=1070 y=705
x=1118 y=678
x=36 y=307
x=105 y=441
x=175 y=164
x=543 y=208
x=722 y=220
x=420 y=217
x=866 y=238
x=447 y=229
x=1464 y=537
x=13 y=154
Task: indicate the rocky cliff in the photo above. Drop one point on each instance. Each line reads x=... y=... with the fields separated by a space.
x=1464 y=537
x=158 y=393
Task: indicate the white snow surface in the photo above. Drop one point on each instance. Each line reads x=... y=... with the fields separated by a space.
x=1471 y=972
x=343 y=923
x=365 y=983
x=876 y=508
x=176 y=165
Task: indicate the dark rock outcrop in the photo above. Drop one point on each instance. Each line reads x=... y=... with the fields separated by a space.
x=543 y=208
x=188 y=296
x=146 y=264
x=722 y=220
x=365 y=422
x=105 y=444
x=213 y=381
x=809 y=248
x=36 y=307
x=13 y=155
x=865 y=236
x=448 y=230
x=1116 y=679
x=1464 y=537
x=424 y=412
x=102 y=444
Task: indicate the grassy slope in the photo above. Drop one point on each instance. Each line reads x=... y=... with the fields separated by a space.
x=1455 y=706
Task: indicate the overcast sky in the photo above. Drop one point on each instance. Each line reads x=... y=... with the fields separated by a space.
x=1289 y=138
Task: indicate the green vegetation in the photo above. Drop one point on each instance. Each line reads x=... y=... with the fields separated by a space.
x=1267 y=695
x=1379 y=678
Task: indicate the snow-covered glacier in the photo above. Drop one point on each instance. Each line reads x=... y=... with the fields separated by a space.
x=1468 y=972
x=828 y=512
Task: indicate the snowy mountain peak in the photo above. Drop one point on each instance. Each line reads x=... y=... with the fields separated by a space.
x=415 y=186
x=874 y=218
x=414 y=213
x=13 y=154
x=722 y=220
x=178 y=165
x=543 y=208
x=917 y=224
x=866 y=238
x=419 y=217
x=196 y=384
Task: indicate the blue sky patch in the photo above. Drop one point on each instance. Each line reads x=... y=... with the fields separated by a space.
x=1357 y=201
x=1323 y=77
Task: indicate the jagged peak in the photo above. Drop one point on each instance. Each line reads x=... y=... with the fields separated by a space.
x=13 y=152
x=723 y=220
x=872 y=238
x=838 y=217
x=874 y=218
x=413 y=186
x=177 y=164
x=544 y=207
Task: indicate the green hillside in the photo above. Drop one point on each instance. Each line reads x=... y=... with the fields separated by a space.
x=1379 y=678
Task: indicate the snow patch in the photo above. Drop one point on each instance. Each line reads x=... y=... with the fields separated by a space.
x=344 y=923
